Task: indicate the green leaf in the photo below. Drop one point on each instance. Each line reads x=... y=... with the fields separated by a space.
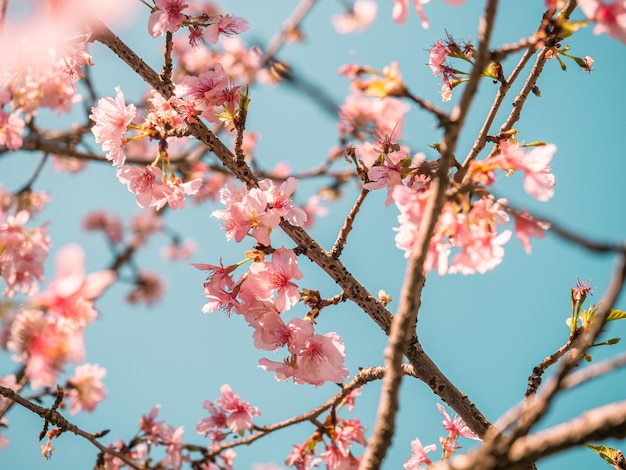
x=608 y=342
x=616 y=315
x=607 y=453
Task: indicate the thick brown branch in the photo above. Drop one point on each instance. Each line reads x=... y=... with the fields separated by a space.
x=605 y=422
x=425 y=368
x=55 y=418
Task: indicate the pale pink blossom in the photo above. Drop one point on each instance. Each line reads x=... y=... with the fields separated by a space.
x=526 y=226
x=225 y=25
x=456 y=427
x=313 y=208
x=44 y=344
x=22 y=254
x=69 y=164
x=167 y=17
x=4 y=441
x=359 y=18
x=206 y=89
x=322 y=360
x=438 y=54
x=179 y=251
x=86 y=388
x=275 y=276
x=247 y=213
x=177 y=191
x=240 y=412
x=149 y=288
x=400 y=10
x=609 y=17
x=173 y=439
x=112 y=117
x=144 y=224
x=418 y=455
x=11 y=129
x=71 y=293
x=147 y=183
x=279 y=198
x=216 y=421
x=109 y=224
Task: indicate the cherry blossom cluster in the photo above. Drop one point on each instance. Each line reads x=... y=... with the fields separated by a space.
x=371 y=112
x=468 y=227
x=257 y=211
x=47 y=332
x=204 y=22
x=450 y=76
x=152 y=435
x=337 y=436
x=49 y=82
x=401 y=10
x=456 y=428
x=228 y=414
x=23 y=250
x=151 y=184
x=261 y=295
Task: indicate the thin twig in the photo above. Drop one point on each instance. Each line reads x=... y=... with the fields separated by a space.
x=361 y=378
x=342 y=238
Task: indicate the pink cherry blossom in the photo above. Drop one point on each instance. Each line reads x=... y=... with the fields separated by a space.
x=247 y=213
x=400 y=10
x=168 y=17
x=22 y=254
x=240 y=413
x=206 y=89
x=173 y=439
x=418 y=455
x=526 y=226
x=112 y=117
x=361 y=16
x=109 y=224
x=11 y=129
x=610 y=17
x=179 y=251
x=279 y=198
x=177 y=191
x=322 y=360
x=149 y=288
x=71 y=293
x=144 y=224
x=86 y=388
x=226 y=25
x=147 y=183
x=456 y=426
x=44 y=344
x=538 y=180
x=275 y=276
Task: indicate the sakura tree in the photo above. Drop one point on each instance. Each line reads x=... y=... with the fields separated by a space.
x=220 y=224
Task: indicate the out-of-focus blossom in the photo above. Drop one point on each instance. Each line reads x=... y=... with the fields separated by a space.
x=359 y=18
x=86 y=388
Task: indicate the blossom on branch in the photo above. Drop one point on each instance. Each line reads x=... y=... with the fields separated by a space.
x=609 y=17
x=86 y=388
x=112 y=118
x=359 y=17
x=167 y=16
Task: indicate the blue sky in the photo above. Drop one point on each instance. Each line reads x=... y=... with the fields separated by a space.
x=486 y=332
